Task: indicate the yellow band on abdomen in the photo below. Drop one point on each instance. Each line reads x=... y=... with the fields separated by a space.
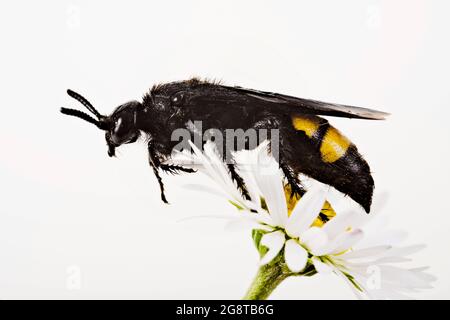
x=308 y=125
x=334 y=145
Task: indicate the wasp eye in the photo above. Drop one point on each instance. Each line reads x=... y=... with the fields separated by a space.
x=117 y=124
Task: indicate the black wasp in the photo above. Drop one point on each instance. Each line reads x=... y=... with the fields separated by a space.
x=308 y=143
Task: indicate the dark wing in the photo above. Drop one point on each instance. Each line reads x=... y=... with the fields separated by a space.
x=307 y=106
x=201 y=94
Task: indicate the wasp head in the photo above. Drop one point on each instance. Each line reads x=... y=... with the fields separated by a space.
x=120 y=126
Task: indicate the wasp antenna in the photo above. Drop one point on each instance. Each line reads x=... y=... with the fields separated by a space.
x=84 y=102
x=81 y=115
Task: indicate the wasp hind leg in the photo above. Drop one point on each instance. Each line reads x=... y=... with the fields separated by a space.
x=239 y=181
x=293 y=181
x=175 y=169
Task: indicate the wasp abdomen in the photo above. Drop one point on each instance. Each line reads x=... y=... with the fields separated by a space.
x=327 y=155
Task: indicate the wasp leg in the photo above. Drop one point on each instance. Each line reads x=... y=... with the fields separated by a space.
x=273 y=122
x=239 y=181
x=293 y=181
x=155 y=164
x=175 y=169
x=161 y=184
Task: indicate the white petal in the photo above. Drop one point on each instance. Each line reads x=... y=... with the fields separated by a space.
x=382 y=237
x=314 y=239
x=255 y=194
x=221 y=170
x=216 y=169
x=274 y=241
x=271 y=186
x=209 y=169
x=405 y=251
x=251 y=219
x=340 y=223
x=423 y=275
x=420 y=269
x=185 y=159
x=262 y=175
x=306 y=211
x=392 y=260
x=367 y=263
x=245 y=222
x=264 y=217
x=295 y=255
x=359 y=295
x=247 y=163
x=403 y=277
x=365 y=253
x=345 y=241
x=321 y=267
x=386 y=291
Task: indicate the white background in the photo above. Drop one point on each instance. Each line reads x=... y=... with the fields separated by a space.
x=67 y=210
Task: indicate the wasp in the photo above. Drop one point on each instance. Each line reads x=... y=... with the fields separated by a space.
x=308 y=143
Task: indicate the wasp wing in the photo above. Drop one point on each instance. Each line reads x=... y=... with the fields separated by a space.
x=315 y=107
x=203 y=93
x=308 y=106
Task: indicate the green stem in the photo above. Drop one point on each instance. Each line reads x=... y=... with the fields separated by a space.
x=266 y=280
x=272 y=274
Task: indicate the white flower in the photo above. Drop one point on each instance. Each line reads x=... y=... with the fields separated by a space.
x=294 y=231
x=331 y=248
x=264 y=181
x=371 y=271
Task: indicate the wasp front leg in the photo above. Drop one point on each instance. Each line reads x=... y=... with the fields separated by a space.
x=239 y=181
x=155 y=163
